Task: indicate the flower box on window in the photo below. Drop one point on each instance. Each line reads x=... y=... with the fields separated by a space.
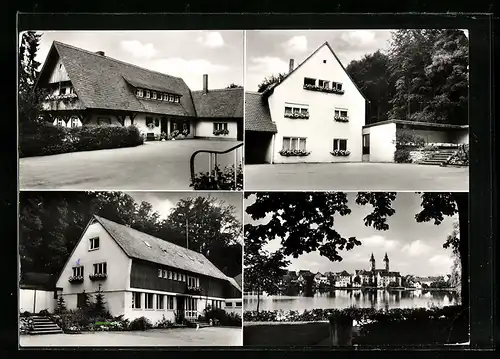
x=340 y=153
x=289 y=153
x=323 y=89
x=76 y=279
x=297 y=115
x=341 y=118
x=193 y=290
x=222 y=131
x=98 y=276
x=68 y=96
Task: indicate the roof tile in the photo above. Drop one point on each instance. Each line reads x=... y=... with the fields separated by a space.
x=257 y=115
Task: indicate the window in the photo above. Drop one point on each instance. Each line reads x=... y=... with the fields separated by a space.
x=159 y=302
x=169 y=274
x=197 y=282
x=220 y=126
x=294 y=143
x=309 y=81
x=229 y=304
x=238 y=304
x=136 y=300
x=63 y=90
x=80 y=300
x=175 y=276
x=157 y=122
x=339 y=86
x=170 y=302
x=100 y=268
x=153 y=95
x=177 y=99
x=139 y=93
x=149 y=120
x=149 y=301
x=164 y=273
x=288 y=110
x=183 y=277
x=94 y=243
x=74 y=121
x=296 y=111
x=340 y=113
x=78 y=271
x=366 y=144
x=160 y=273
x=171 y=98
x=339 y=144
x=324 y=83
x=175 y=125
x=61 y=122
x=147 y=94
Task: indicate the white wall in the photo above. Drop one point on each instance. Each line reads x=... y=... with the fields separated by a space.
x=42 y=299
x=68 y=124
x=118 y=265
x=205 y=128
x=58 y=73
x=320 y=129
x=382 y=142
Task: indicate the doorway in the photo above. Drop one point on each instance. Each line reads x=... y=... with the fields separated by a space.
x=180 y=309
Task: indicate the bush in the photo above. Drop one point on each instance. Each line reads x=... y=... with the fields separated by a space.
x=163 y=323
x=402 y=155
x=25 y=314
x=224 y=181
x=461 y=158
x=224 y=318
x=141 y=323
x=44 y=313
x=46 y=139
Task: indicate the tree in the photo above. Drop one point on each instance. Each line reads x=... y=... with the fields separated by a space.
x=61 y=305
x=357 y=280
x=271 y=80
x=233 y=86
x=304 y=221
x=100 y=304
x=371 y=75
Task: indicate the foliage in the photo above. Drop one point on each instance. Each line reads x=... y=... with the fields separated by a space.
x=233 y=86
x=46 y=139
x=300 y=115
x=224 y=318
x=402 y=155
x=288 y=153
x=219 y=179
x=269 y=81
x=357 y=280
x=174 y=134
x=323 y=89
x=141 y=323
x=100 y=303
x=44 y=313
x=408 y=138
x=461 y=158
x=340 y=153
x=222 y=131
x=163 y=323
x=61 y=305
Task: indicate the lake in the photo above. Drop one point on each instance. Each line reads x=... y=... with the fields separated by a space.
x=339 y=299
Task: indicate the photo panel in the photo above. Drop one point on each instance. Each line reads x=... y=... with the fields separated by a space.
x=130 y=269
x=357 y=110
x=369 y=269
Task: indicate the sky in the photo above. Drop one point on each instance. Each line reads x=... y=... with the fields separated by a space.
x=269 y=52
x=185 y=54
x=412 y=248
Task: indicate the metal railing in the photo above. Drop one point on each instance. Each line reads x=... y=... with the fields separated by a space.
x=213 y=161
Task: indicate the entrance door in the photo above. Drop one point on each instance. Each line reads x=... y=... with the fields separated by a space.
x=180 y=308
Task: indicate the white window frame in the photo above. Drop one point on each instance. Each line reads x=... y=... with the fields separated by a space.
x=338 y=141
x=297 y=108
x=153 y=95
x=78 y=271
x=170 y=302
x=147 y=94
x=324 y=84
x=146 y=302
x=171 y=98
x=139 y=92
x=160 y=302
x=169 y=275
x=220 y=126
x=92 y=246
x=160 y=273
x=74 y=122
x=338 y=111
x=100 y=268
x=290 y=139
x=177 y=99
x=136 y=295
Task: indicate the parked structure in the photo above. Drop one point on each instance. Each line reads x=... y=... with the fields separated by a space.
x=141 y=275
x=316 y=113
x=91 y=88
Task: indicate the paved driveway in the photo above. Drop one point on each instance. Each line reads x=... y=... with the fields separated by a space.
x=356 y=177
x=152 y=166
x=209 y=336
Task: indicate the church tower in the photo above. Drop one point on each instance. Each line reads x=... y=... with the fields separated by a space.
x=386 y=260
x=372 y=262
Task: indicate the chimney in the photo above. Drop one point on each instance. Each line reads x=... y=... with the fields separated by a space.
x=291 y=66
x=100 y=53
x=205 y=83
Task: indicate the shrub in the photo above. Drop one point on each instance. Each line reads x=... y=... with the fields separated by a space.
x=402 y=155
x=44 y=313
x=224 y=318
x=141 y=323
x=25 y=314
x=224 y=181
x=461 y=158
x=163 y=323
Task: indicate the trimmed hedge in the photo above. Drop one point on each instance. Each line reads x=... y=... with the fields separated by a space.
x=46 y=139
x=224 y=318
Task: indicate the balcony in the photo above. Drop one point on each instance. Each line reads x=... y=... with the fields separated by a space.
x=341 y=118
x=192 y=290
x=76 y=279
x=323 y=89
x=98 y=276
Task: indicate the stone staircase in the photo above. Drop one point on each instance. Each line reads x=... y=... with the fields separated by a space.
x=43 y=325
x=439 y=157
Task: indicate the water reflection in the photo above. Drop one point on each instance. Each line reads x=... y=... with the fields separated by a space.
x=360 y=298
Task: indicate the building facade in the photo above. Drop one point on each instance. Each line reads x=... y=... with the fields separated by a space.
x=90 y=88
x=379 y=278
x=141 y=275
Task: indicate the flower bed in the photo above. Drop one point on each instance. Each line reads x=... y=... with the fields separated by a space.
x=288 y=153
x=297 y=115
x=341 y=118
x=323 y=89
x=340 y=153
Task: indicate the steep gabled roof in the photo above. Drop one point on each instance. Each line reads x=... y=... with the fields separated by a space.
x=271 y=88
x=102 y=82
x=145 y=247
x=344 y=273
x=239 y=280
x=257 y=114
x=221 y=103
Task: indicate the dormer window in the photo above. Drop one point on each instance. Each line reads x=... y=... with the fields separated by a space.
x=171 y=98
x=323 y=83
x=94 y=243
x=177 y=99
x=148 y=94
x=139 y=93
x=153 y=95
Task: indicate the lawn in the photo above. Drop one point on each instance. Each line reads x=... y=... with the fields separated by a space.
x=152 y=166
x=210 y=336
x=356 y=176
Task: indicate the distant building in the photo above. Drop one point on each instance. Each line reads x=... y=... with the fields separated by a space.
x=343 y=279
x=378 y=277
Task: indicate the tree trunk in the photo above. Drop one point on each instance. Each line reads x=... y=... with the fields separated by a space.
x=462 y=200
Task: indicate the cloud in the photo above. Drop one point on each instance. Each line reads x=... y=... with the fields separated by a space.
x=441 y=261
x=378 y=242
x=296 y=44
x=139 y=50
x=358 y=37
x=180 y=67
x=416 y=248
x=212 y=40
x=267 y=65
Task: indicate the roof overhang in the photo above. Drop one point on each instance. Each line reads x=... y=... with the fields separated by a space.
x=420 y=125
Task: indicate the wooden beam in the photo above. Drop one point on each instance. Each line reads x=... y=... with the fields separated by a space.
x=132 y=116
x=121 y=119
